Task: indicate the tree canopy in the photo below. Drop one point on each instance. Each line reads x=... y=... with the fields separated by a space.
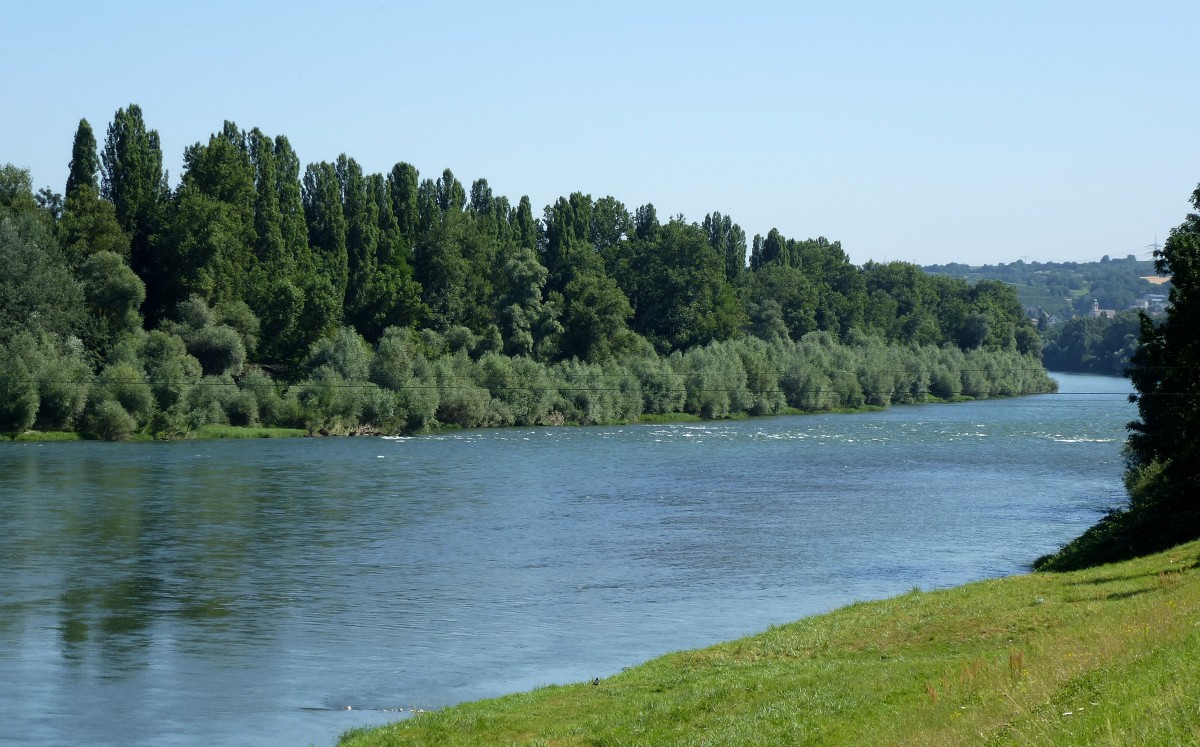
x=253 y=264
x=1163 y=475
x=1165 y=371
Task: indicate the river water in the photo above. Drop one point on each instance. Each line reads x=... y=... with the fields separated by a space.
x=249 y=592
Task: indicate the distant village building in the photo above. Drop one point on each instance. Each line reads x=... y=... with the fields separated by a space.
x=1098 y=312
x=1153 y=304
x=1040 y=319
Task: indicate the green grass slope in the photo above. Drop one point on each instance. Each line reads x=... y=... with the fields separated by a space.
x=1107 y=656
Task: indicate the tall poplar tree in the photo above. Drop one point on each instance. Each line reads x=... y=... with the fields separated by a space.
x=212 y=226
x=403 y=185
x=326 y=221
x=568 y=227
x=361 y=214
x=439 y=265
x=392 y=298
x=135 y=183
x=526 y=228
x=729 y=240
x=85 y=164
x=292 y=225
x=134 y=180
x=89 y=223
x=451 y=197
x=268 y=218
x=299 y=303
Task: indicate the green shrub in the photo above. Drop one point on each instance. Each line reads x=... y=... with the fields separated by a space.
x=417 y=404
x=663 y=390
x=716 y=381
x=106 y=419
x=209 y=402
x=170 y=369
x=761 y=364
x=267 y=400
x=63 y=388
x=594 y=394
x=126 y=384
x=242 y=409
x=219 y=349
x=238 y=316
x=346 y=353
x=379 y=409
x=18 y=394
x=328 y=401
x=520 y=390
x=944 y=382
x=392 y=365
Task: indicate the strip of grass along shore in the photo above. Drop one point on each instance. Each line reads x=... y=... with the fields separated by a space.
x=1107 y=656
x=213 y=430
x=210 y=431
x=47 y=436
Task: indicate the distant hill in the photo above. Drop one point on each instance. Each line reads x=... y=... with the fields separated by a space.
x=1066 y=289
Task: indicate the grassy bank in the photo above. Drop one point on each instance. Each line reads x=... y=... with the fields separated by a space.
x=1106 y=656
x=203 y=432
x=46 y=436
x=236 y=431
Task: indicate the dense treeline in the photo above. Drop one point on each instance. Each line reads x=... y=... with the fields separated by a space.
x=1163 y=449
x=259 y=292
x=1096 y=345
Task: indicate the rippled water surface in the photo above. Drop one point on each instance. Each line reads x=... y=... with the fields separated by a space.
x=247 y=593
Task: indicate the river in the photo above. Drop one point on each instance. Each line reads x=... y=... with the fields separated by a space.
x=249 y=592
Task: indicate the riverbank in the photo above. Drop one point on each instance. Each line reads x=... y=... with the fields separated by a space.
x=217 y=431
x=204 y=432
x=1103 y=656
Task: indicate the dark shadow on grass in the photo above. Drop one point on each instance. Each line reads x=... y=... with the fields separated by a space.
x=1110 y=579
x=1118 y=595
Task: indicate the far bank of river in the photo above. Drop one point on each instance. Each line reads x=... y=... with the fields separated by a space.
x=209 y=592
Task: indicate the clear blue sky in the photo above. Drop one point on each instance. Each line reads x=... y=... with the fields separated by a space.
x=929 y=132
